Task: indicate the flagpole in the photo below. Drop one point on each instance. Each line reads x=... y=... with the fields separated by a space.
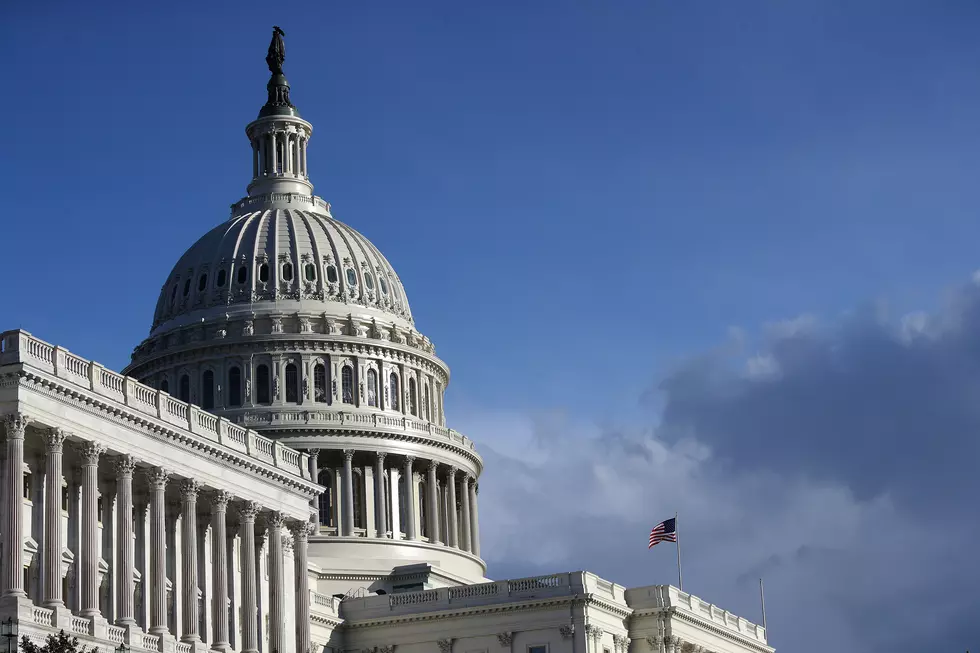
x=680 y=578
x=762 y=595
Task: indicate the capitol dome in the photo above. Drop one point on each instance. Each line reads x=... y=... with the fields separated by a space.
x=291 y=323
x=297 y=259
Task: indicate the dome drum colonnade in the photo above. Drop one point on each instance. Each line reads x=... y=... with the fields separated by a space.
x=94 y=486
x=288 y=321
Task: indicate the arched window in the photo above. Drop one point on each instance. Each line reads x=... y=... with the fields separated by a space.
x=165 y=386
x=319 y=382
x=207 y=390
x=310 y=272
x=173 y=296
x=185 y=388
x=187 y=287
x=325 y=504
x=369 y=281
x=262 y=384
x=287 y=272
x=235 y=386
x=372 y=389
x=222 y=277
x=264 y=273
x=242 y=275
x=292 y=384
x=331 y=274
x=347 y=381
x=393 y=390
x=425 y=401
x=351 y=277
x=202 y=282
x=412 y=405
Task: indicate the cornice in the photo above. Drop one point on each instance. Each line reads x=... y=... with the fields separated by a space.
x=96 y=405
x=296 y=431
x=492 y=608
x=691 y=618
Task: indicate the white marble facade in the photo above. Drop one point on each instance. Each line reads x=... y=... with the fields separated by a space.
x=273 y=471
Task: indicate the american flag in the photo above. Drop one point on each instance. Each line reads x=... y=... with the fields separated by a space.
x=665 y=531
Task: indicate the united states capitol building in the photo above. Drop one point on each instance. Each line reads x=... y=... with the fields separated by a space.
x=273 y=471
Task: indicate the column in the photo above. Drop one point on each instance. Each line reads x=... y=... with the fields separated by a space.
x=432 y=491
x=314 y=464
x=90 y=452
x=348 y=494
x=464 y=502
x=51 y=573
x=219 y=568
x=263 y=159
x=188 y=559
x=276 y=584
x=474 y=520
x=13 y=529
x=274 y=159
x=303 y=154
x=125 y=466
x=451 y=509
x=255 y=159
x=409 y=499
x=379 y=495
x=156 y=479
x=250 y=637
x=301 y=532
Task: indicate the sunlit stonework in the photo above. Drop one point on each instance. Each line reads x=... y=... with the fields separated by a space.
x=273 y=471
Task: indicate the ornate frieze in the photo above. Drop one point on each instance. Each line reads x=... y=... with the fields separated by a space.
x=505 y=639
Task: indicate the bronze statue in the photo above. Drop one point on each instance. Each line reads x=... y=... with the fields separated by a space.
x=277 y=51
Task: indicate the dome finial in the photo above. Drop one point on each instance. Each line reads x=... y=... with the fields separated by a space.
x=277 y=51
x=278 y=87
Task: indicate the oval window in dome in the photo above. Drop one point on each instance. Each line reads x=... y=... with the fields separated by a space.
x=331 y=274
x=287 y=271
x=310 y=272
x=202 y=282
x=222 y=277
x=351 y=277
x=384 y=285
x=187 y=287
x=369 y=281
x=264 y=272
x=242 y=275
x=173 y=295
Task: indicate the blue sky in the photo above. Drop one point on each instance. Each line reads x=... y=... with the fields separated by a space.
x=590 y=204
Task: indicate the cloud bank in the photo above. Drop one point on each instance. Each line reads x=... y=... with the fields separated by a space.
x=837 y=460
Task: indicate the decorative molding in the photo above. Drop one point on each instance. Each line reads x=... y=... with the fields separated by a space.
x=446 y=645
x=505 y=639
x=125 y=466
x=156 y=477
x=15 y=425
x=54 y=440
x=567 y=631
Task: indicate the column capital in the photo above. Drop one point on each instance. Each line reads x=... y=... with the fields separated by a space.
x=301 y=530
x=249 y=511
x=467 y=477
x=381 y=456
x=91 y=451
x=313 y=452
x=157 y=477
x=219 y=500
x=125 y=466
x=452 y=472
x=16 y=424
x=476 y=487
x=410 y=459
x=54 y=440
x=275 y=519
x=189 y=489
x=433 y=466
x=348 y=455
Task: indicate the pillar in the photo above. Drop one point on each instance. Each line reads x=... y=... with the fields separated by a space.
x=409 y=499
x=348 y=494
x=379 y=495
x=301 y=533
x=250 y=637
x=303 y=150
x=464 y=502
x=452 y=527
x=90 y=452
x=274 y=159
x=125 y=466
x=432 y=491
x=255 y=160
x=188 y=559
x=51 y=573
x=219 y=568
x=156 y=479
x=13 y=529
x=276 y=585
x=474 y=520
x=314 y=464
